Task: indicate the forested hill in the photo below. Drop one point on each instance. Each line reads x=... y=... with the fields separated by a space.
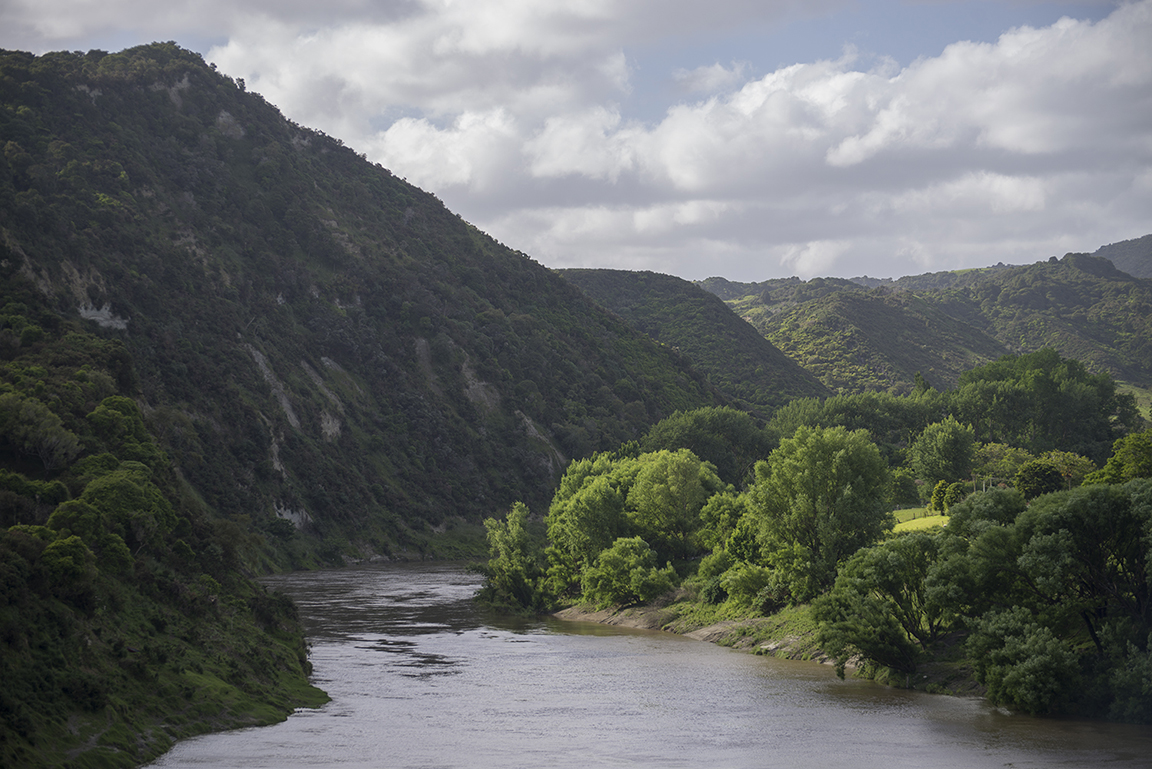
x=1132 y=256
x=314 y=340
x=859 y=338
x=746 y=366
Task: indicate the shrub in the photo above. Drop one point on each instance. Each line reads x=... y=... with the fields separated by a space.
x=626 y=574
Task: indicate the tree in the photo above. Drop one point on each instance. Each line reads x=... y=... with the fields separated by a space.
x=32 y=428
x=728 y=438
x=998 y=462
x=665 y=500
x=626 y=574
x=1038 y=477
x=820 y=497
x=585 y=517
x=943 y=452
x=1073 y=467
x=514 y=572
x=880 y=605
x=1131 y=458
x=1023 y=663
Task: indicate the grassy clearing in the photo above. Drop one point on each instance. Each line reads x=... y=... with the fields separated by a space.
x=910 y=513
x=1143 y=397
x=919 y=524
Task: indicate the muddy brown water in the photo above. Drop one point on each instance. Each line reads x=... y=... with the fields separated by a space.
x=420 y=677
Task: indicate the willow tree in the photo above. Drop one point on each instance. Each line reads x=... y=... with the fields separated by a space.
x=820 y=497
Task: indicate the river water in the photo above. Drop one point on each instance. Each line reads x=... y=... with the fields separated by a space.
x=420 y=677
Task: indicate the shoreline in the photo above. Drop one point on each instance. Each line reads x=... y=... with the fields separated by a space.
x=757 y=635
x=788 y=634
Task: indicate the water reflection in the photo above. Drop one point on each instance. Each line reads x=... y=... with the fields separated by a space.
x=420 y=678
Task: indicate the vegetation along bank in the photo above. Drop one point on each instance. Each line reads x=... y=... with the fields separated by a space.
x=1036 y=592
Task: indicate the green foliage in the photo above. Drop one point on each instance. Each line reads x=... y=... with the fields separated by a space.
x=1041 y=401
x=625 y=574
x=1073 y=468
x=955 y=493
x=1023 y=663
x=939 y=491
x=1038 y=477
x=126 y=621
x=820 y=497
x=732 y=441
x=657 y=496
x=745 y=366
x=665 y=500
x=944 y=451
x=310 y=332
x=585 y=518
x=998 y=462
x=514 y=574
x=719 y=518
x=944 y=324
x=880 y=606
x=1131 y=459
x=756 y=588
x=30 y=427
x=1054 y=598
x=856 y=340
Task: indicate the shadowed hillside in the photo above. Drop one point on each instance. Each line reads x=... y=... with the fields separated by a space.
x=315 y=340
x=748 y=368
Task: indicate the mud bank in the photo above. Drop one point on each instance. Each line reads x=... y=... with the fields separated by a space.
x=778 y=635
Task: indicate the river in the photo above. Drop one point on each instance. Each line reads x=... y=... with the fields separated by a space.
x=421 y=677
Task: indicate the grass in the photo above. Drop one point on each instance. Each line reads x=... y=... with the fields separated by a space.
x=920 y=524
x=918 y=519
x=1143 y=397
x=909 y=513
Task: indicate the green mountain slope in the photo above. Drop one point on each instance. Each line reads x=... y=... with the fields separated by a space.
x=315 y=340
x=745 y=366
x=126 y=617
x=878 y=341
x=1132 y=256
x=1080 y=305
x=856 y=338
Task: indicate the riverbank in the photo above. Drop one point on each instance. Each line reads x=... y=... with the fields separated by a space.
x=787 y=634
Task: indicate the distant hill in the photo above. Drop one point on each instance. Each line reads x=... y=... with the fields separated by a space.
x=1132 y=256
x=855 y=338
x=878 y=341
x=744 y=365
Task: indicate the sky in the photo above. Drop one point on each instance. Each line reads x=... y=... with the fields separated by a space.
x=746 y=139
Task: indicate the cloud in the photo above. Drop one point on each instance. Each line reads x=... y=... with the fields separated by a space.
x=517 y=114
x=708 y=79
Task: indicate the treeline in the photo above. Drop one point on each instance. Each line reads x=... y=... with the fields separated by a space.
x=1048 y=602
x=126 y=619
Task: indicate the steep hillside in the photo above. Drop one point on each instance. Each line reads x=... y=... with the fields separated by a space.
x=314 y=340
x=878 y=341
x=1080 y=305
x=859 y=339
x=744 y=365
x=1132 y=256
x=126 y=617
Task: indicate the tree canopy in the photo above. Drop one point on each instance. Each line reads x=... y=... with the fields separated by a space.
x=820 y=497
